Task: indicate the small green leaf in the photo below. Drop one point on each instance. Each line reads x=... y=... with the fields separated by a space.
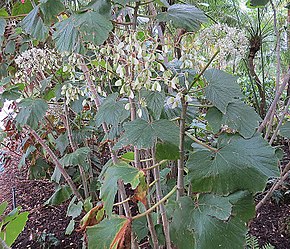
x=62 y=143
x=143 y=134
x=31 y=112
x=155 y=102
x=33 y=25
x=70 y=227
x=222 y=88
x=74 y=210
x=119 y=171
x=285 y=130
x=257 y=3
x=77 y=157
x=183 y=16
x=2 y=30
x=15 y=227
x=27 y=153
x=21 y=8
x=62 y=194
x=140 y=227
x=128 y=156
x=3 y=206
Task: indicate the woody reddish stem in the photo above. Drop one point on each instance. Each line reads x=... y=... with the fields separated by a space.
x=56 y=162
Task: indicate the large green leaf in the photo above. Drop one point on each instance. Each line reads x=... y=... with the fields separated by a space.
x=112 y=111
x=285 y=130
x=108 y=233
x=143 y=134
x=33 y=25
x=31 y=112
x=62 y=194
x=119 y=171
x=256 y=3
x=94 y=27
x=67 y=36
x=77 y=157
x=50 y=10
x=240 y=164
x=222 y=88
x=2 y=30
x=213 y=221
x=183 y=16
x=15 y=227
x=103 y=7
x=238 y=117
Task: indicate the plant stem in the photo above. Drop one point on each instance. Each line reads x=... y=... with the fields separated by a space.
x=283 y=177
x=74 y=148
x=280 y=122
x=96 y=99
x=159 y=198
x=201 y=143
x=159 y=203
x=3 y=245
x=56 y=162
x=155 y=165
x=203 y=70
x=180 y=163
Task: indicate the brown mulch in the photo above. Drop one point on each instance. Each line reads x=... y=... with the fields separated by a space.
x=46 y=224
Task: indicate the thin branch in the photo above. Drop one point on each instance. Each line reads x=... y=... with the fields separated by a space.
x=155 y=165
x=74 y=148
x=3 y=245
x=275 y=101
x=283 y=177
x=160 y=202
x=280 y=122
x=203 y=70
x=56 y=162
x=180 y=165
x=165 y=223
x=201 y=143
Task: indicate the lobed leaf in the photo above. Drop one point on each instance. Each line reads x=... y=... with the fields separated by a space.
x=240 y=164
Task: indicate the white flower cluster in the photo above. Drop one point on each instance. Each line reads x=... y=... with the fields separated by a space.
x=36 y=59
x=230 y=41
x=72 y=93
x=35 y=64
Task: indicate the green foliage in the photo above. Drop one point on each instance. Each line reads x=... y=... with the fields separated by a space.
x=238 y=116
x=2 y=29
x=108 y=229
x=120 y=171
x=12 y=224
x=285 y=130
x=112 y=111
x=183 y=16
x=222 y=88
x=50 y=10
x=31 y=112
x=61 y=194
x=209 y=219
x=77 y=157
x=33 y=25
x=144 y=134
x=239 y=164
